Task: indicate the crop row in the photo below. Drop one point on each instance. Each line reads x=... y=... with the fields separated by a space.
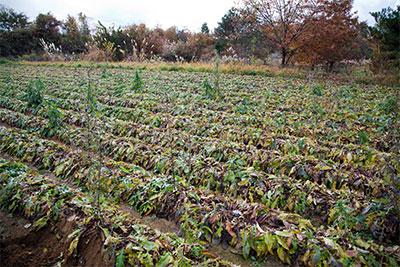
x=261 y=115
x=245 y=225
x=159 y=150
x=136 y=244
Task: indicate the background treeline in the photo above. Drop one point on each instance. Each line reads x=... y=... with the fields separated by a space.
x=313 y=33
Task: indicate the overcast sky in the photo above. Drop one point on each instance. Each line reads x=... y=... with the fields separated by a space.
x=188 y=14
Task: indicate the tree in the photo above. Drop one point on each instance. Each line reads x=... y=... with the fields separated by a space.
x=332 y=35
x=238 y=30
x=76 y=34
x=386 y=39
x=15 y=35
x=283 y=21
x=204 y=28
x=47 y=27
x=83 y=25
x=11 y=20
x=142 y=42
x=226 y=29
x=111 y=40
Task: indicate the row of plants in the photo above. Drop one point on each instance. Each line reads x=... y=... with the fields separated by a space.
x=248 y=167
x=349 y=169
x=206 y=216
x=275 y=101
x=245 y=135
x=46 y=202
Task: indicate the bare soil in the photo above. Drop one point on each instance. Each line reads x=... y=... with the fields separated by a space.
x=21 y=246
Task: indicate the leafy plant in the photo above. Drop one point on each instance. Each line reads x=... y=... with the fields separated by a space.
x=209 y=90
x=318 y=89
x=363 y=137
x=120 y=87
x=137 y=85
x=55 y=120
x=342 y=216
x=390 y=105
x=34 y=93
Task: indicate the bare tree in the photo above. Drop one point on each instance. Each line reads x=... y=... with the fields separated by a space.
x=284 y=21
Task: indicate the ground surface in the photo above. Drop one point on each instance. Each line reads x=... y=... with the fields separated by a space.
x=273 y=169
x=20 y=246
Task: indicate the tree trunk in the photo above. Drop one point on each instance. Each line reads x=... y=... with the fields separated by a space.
x=283 y=55
x=330 y=66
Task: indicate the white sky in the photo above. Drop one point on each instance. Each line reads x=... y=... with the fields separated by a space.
x=183 y=13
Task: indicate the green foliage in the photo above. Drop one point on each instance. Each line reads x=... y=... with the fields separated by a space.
x=204 y=28
x=105 y=74
x=11 y=20
x=138 y=84
x=120 y=260
x=386 y=32
x=109 y=39
x=266 y=144
x=363 y=137
x=318 y=89
x=209 y=90
x=76 y=34
x=390 y=105
x=342 y=216
x=213 y=91
x=120 y=87
x=55 y=120
x=34 y=93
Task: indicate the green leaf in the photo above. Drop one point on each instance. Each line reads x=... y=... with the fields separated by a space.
x=120 y=261
x=246 y=246
x=39 y=224
x=165 y=260
x=148 y=245
x=283 y=233
x=281 y=254
x=316 y=257
x=270 y=241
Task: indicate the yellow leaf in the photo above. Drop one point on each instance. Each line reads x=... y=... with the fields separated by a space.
x=281 y=254
x=73 y=245
x=362 y=243
x=349 y=157
x=325 y=168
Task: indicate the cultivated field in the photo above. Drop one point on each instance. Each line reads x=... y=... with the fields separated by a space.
x=275 y=171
